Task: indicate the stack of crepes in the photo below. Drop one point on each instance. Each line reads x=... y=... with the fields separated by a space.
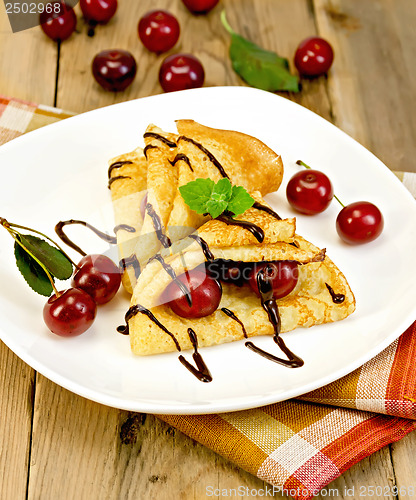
x=297 y=446
x=166 y=227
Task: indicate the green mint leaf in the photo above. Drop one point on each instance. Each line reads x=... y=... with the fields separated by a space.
x=216 y=208
x=222 y=190
x=52 y=258
x=240 y=200
x=31 y=271
x=258 y=67
x=204 y=196
x=197 y=193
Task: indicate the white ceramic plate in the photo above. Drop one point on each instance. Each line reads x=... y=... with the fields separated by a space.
x=60 y=172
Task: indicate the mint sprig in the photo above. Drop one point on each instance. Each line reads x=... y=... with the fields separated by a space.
x=204 y=196
x=38 y=261
x=258 y=67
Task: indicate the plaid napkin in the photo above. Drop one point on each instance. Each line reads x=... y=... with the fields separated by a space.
x=298 y=446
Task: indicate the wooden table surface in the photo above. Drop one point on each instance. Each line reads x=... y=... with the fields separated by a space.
x=55 y=444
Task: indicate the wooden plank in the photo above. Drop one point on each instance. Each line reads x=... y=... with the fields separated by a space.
x=27 y=63
x=85 y=450
x=357 y=482
x=403 y=454
x=17 y=382
x=372 y=81
x=28 y=77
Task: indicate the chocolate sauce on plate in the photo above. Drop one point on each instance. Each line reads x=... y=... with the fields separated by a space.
x=125 y=227
x=268 y=210
x=60 y=232
x=270 y=306
x=209 y=256
x=131 y=261
x=133 y=310
x=169 y=269
x=157 y=224
x=201 y=372
x=235 y=318
x=116 y=178
x=337 y=298
x=160 y=138
x=211 y=157
x=146 y=149
x=117 y=164
x=255 y=230
x=181 y=156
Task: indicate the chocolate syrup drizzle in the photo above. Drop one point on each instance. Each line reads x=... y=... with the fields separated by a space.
x=117 y=164
x=337 y=298
x=116 y=178
x=125 y=227
x=209 y=256
x=235 y=318
x=201 y=372
x=146 y=149
x=157 y=224
x=181 y=156
x=161 y=138
x=211 y=157
x=133 y=310
x=131 y=261
x=268 y=210
x=270 y=306
x=255 y=230
x=169 y=269
x=59 y=229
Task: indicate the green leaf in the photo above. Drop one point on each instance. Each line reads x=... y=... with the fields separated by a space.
x=240 y=200
x=197 y=193
x=258 y=67
x=216 y=208
x=52 y=258
x=222 y=190
x=204 y=196
x=31 y=271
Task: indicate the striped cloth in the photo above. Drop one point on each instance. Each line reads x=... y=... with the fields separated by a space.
x=298 y=446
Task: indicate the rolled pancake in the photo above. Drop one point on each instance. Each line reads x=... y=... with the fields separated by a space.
x=310 y=302
x=241 y=156
x=161 y=189
x=127 y=182
x=205 y=152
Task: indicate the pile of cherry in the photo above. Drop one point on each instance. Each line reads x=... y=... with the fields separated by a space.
x=159 y=32
x=71 y=312
x=310 y=192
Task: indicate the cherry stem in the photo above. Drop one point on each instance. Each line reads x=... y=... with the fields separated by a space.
x=15 y=235
x=225 y=23
x=303 y=164
x=45 y=236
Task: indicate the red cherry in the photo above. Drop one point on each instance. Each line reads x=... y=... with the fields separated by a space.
x=58 y=21
x=180 y=72
x=359 y=222
x=309 y=192
x=200 y=6
x=284 y=275
x=70 y=314
x=98 y=276
x=205 y=291
x=98 y=11
x=314 y=56
x=158 y=30
x=114 y=69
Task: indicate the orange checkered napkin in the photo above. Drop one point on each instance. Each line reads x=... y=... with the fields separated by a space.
x=298 y=446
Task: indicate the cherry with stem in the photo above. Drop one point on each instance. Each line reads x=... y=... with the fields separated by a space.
x=359 y=222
